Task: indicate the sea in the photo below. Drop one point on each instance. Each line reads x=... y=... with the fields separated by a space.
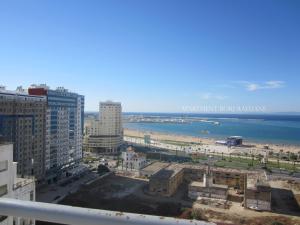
x=273 y=129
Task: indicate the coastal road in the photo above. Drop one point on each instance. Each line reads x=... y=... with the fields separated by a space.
x=215 y=150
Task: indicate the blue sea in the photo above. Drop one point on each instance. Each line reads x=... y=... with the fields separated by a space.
x=276 y=129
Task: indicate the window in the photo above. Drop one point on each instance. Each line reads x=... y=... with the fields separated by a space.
x=3 y=190
x=31 y=196
x=3 y=165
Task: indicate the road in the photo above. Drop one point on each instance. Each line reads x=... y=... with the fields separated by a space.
x=216 y=150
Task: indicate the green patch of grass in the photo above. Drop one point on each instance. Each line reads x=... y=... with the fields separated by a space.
x=232 y=164
x=179 y=143
x=249 y=162
x=286 y=166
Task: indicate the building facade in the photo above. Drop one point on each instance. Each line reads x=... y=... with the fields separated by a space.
x=22 y=122
x=167 y=180
x=110 y=116
x=132 y=160
x=213 y=183
x=64 y=129
x=105 y=135
x=92 y=127
x=12 y=186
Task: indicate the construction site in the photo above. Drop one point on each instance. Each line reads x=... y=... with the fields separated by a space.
x=223 y=196
x=251 y=189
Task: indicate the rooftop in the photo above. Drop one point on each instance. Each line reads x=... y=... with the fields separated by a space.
x=20 y=92
x=155 y=167
x=168 y=171
x=109 y=102
x=235 y=137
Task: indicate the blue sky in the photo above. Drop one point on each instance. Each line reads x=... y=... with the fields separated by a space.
x=156 y=55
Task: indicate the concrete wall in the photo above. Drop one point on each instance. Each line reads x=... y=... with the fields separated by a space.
x=231 y=179
x=258 y=199
x=212 y=192
x=166 y=187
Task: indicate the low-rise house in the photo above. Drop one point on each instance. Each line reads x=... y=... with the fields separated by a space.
x=132 y=160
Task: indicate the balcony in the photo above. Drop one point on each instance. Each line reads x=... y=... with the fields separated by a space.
x=22 y=182
x=83 y=216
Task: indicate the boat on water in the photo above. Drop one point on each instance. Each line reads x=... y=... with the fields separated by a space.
x=204 y=132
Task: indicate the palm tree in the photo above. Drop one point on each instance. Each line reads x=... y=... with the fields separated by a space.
x=259 y=157
x=281 y=150
x=289 y=155
x=294 y=158
x=239 y=154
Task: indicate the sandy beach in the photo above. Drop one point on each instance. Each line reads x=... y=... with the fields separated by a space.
x=208 y=141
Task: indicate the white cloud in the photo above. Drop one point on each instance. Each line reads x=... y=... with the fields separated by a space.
x=211 y=96
x=272 y=84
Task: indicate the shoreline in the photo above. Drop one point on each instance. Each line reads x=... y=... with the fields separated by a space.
x=208 y=141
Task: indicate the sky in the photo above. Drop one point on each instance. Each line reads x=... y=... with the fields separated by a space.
x=157 y=55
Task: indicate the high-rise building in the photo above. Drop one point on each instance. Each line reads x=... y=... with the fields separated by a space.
x=12 y=186
x=64 y=129
x=110 y=116
x=105 y=135
x=22 y=122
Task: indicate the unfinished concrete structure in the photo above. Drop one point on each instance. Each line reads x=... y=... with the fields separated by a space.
x=212 y=182
x=257 y=195
x=171 y=176
x=207 y=188
x=202 y=189
x=166 y=181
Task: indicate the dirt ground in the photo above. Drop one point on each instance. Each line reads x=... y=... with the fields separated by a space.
x=286 y=197
x=126 y=194
x=121 y=194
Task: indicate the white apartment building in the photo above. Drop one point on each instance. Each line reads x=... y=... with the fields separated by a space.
x=132 y=160
x=13 y=187
x=110 y=116
x=106 y=134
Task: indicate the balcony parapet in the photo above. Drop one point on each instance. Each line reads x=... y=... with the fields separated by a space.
x=83 y=216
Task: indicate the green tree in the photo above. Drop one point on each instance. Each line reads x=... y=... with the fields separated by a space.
x=252 y=157
x=278 y=160
x=294 y=159
x=259 y=157
x=102 y=169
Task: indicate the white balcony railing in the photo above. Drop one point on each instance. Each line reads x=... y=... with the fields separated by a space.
x=83 y=216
